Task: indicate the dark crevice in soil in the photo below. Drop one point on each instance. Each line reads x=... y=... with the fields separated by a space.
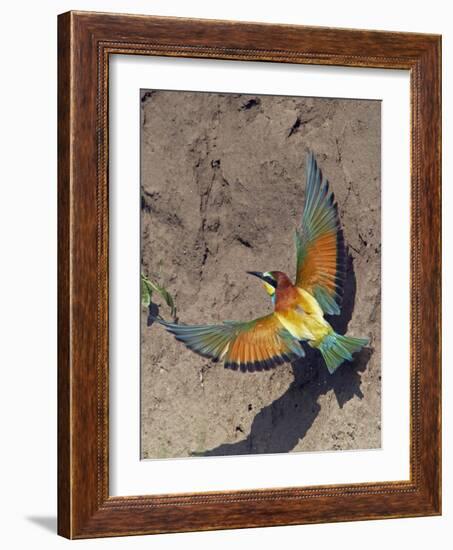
x=147 y=95
x=250 y=104
x=244 y=242
x=295 y=127
x=297 y=124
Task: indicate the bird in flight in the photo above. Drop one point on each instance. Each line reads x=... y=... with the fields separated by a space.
x=299 y=308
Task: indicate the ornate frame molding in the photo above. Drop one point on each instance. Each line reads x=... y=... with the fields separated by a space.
x=86 y=40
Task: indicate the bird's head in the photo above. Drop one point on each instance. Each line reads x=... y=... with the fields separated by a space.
x=272 y=280
x=268 y=280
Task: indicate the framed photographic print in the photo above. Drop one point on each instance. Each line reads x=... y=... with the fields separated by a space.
x=249 y=275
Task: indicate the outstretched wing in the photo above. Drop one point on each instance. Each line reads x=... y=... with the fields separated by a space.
x=255 y=345
x=319 y=243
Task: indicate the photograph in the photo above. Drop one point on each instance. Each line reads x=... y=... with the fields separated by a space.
x=260 y=274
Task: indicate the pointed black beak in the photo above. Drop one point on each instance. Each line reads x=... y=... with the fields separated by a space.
x=256 y=274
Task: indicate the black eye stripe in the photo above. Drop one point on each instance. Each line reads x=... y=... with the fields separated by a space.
x=270 y=281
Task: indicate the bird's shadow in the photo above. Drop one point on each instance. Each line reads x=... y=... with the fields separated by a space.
x=279 y=427
x=153 y=312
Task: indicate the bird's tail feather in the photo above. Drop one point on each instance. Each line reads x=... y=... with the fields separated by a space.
x=336 y=348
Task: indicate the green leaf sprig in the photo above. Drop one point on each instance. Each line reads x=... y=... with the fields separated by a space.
x=148 y=287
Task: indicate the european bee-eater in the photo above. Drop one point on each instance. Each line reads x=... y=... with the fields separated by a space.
x=299 y=308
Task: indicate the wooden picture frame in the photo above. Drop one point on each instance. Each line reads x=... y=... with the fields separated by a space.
x=85 y=41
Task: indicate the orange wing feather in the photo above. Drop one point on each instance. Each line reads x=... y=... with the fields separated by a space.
x=319 y=243
x=255 y=345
